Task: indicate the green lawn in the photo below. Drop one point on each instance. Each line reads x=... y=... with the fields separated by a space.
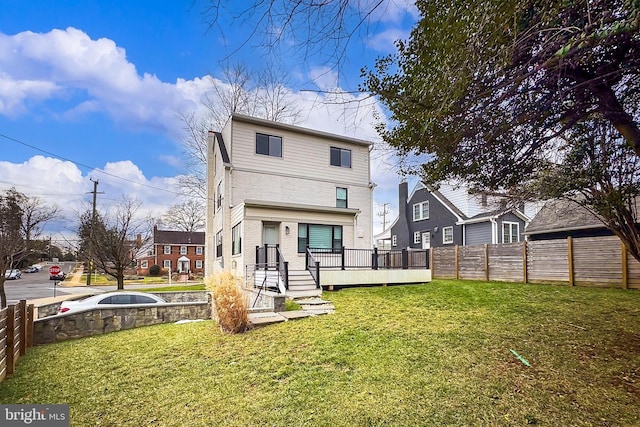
x=435 y=354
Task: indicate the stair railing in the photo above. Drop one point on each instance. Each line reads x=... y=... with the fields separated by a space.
x=313 y=266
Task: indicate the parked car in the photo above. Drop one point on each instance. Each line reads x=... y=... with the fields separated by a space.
x=38 y=266
x=59 y=277
x=12 y=274
x=109 y=300
x=31 y=269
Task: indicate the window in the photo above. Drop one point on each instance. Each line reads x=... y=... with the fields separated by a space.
x=144 y=264
x=421 y=211
x=340 y=157
x=416 y=237
x=447 y=235
x=341 y=197
x=236 y=240
x=219 y=244
x=268 y=145
x=183 y=250
x=510 y=232
x=166 y=263
x=394 y=240
x=199 y=250
x=167 y=250
x=218 y=200
x=319 y=236
x=198 y=263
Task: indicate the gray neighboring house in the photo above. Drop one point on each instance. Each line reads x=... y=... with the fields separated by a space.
x=560 y=218
x=451 y=215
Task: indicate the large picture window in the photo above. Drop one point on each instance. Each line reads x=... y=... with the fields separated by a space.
x=510 y=232
x=317 y=236
x=236 y=240
x=269 y=145
x=340 y=157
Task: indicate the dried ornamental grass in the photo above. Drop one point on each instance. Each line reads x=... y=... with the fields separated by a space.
x=230 y=302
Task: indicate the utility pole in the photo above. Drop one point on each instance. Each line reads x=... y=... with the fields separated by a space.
x=93 y=223
x=383 y=214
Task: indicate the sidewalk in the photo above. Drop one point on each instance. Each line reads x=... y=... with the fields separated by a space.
x=75 y=279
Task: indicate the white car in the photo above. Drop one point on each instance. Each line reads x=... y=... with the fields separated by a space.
x=38 y=266
x=12 y=274
x=110 y=300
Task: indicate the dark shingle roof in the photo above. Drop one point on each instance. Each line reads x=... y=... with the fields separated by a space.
x=562 y=215
x=178 y=237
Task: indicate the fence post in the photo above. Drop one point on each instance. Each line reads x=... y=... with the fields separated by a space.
x=486 y=262
x=22 y=306
x=570 y=259
x=405 y=259
x=374 y=261
x=455 y=262
x=342 y=257
x=524 y=262
x=11 y=363
x=286 y=275
x=30 y=320
x=625 y=271
x=257 y=255
x=318 y=274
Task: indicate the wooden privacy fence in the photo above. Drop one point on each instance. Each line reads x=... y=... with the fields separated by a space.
x=584 y=261
x=16 y=335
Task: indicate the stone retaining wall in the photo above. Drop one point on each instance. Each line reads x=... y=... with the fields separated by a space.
x=265 y=300
x=66 y=326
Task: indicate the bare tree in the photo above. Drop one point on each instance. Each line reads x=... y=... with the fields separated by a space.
x=111 y=240
x=263 y=95
x=12 y=244
x=34 y=215
x=187 y=216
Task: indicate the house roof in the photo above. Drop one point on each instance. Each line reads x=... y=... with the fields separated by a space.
x=222 y=147
x=168 y=237
x=298 y=129
x=562 y=215
x=300 y=207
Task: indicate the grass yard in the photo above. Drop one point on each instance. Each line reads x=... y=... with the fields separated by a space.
x=435 y=354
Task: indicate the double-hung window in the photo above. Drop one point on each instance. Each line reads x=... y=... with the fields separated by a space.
x=183 y=250
x=198 y=250
x=510 y=232
x=416 y=237
x=198 y=263
x=341 y=197
x=268 y=145
x=421 y=211
x=236 y=240
x=166 y=263
x=144 y=264
x=340 y=157
x=318 y=236
x=218 y=200
x=219 y=244
x=447 y=235
x=167 y=250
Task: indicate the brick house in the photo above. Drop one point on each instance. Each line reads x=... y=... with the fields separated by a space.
x=178 y=251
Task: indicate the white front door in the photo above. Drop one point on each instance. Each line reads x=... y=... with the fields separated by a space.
x=426 y=240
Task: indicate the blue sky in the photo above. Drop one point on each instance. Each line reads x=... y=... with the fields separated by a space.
x=101 y=84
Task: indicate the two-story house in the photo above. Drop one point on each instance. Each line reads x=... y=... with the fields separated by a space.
x=451 y=215
x=176 y=251
x=272 y=183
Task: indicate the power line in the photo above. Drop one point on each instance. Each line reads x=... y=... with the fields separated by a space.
x=93 y=168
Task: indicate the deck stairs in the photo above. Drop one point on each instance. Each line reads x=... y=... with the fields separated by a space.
x=302 y=285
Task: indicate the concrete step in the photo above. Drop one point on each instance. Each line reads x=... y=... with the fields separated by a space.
x=303 y=294
x=302 y=286
x=315 y=305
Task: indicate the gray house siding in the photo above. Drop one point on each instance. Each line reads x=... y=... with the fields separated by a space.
x=478 y=234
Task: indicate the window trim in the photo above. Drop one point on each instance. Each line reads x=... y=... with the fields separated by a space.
x=269 y=136
x=166 y=263
x=336 y=243
x=417 y=237
x=184 y=250
x=511 y=224
x=444 y=235
x=218 y=243
x=166 y=250
x=199 y=250
x=340 y=150
x=394 y=240
x=198 y=263
x=218 y=199
x=421 y=211
x=144 y=264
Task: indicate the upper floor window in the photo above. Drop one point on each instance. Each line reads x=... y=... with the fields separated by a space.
x=510 y=232
x=421 y=211
x=198 y=250
x=268 y=145
x=183 y=250
x=341 y=197
x=167 y=250
x=447 y=235
x=218 y=200
x=340 y=157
